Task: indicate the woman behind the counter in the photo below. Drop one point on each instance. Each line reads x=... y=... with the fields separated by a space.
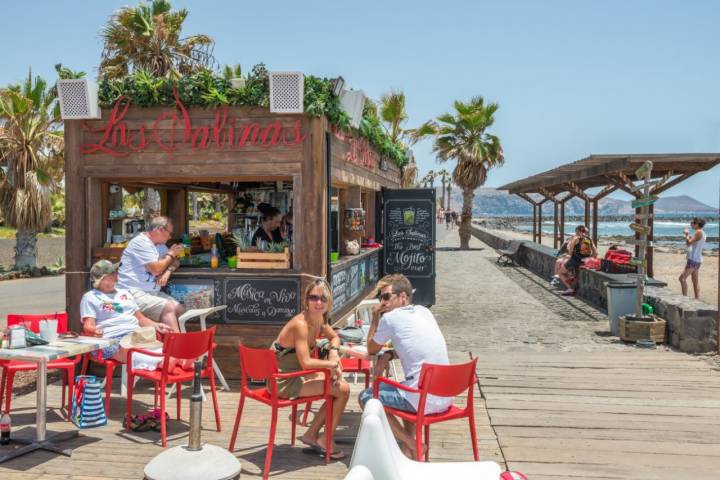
x=269 y=229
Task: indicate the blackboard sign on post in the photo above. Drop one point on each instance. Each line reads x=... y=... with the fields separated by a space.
x=409 y=237
x=261 y=299
x=409 y=245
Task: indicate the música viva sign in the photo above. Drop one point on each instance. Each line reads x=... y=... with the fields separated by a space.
x=119 y=140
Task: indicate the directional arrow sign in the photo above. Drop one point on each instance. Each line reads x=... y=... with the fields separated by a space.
x=641 y=229
x=646 y=184
x=645 y=201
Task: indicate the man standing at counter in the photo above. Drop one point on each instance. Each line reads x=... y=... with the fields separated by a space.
x=145 y=268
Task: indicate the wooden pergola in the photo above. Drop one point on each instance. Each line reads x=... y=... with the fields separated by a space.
x=610 y=173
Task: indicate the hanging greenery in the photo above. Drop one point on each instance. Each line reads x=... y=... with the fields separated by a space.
x=208 y=89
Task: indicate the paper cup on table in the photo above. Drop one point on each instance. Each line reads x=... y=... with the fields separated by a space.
x=51 y=327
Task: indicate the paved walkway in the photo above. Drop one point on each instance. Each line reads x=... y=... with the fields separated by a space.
x=561 y=399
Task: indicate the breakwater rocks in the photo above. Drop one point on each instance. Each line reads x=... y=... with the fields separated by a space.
x=511 y=220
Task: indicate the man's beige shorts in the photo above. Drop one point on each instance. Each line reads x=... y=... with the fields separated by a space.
x=151 y=304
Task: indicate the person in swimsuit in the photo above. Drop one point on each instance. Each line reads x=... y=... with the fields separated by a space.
x=294 y=349
x=695 y=243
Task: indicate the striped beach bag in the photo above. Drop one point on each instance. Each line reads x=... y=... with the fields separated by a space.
x=88 y=408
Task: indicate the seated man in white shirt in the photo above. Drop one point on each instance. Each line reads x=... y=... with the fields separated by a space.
x=145 y=268
x=416 y=339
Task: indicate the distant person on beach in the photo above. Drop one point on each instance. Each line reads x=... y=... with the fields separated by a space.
x=454 y=215
x=416 y=339
x=580 y=247
x=448 y=219
x=695 y=243
x=441 y=215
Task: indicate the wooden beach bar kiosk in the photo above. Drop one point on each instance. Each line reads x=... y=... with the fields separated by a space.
x=331 y=179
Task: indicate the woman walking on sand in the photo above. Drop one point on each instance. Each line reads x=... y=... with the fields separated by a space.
x=695 y=243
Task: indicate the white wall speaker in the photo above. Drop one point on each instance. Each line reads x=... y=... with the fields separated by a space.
x=78 y=99
x=353 y=103
x=287 y=91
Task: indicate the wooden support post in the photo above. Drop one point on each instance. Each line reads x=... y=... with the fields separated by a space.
x=555 y=225
x=595 y=221
x=587 y=212
x=534 y=231
x=649 y=255
x=562 y=222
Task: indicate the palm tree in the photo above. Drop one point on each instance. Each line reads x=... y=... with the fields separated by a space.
x=444 y=176
x=392 y=112
x=31 y=152
x=147 y=37
x=462 y=136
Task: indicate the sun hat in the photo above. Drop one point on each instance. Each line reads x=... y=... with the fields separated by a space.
x=143 y=337
x=101 y=269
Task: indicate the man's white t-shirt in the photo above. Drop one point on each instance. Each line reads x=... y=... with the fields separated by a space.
x=132 y=273
x=114 y=312
x=417 y=339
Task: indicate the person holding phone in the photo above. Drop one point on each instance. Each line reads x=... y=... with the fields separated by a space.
x=695 y=244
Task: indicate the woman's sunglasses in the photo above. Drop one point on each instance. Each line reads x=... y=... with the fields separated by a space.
x=317 y=298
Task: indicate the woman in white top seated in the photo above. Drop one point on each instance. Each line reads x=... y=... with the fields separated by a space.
x=109 y=312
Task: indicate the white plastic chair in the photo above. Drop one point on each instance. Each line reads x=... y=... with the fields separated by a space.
x=203 y=313
x=378 y=451
x=359 y=472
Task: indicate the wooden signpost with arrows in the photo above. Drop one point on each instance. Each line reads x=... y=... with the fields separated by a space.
x=642 y=228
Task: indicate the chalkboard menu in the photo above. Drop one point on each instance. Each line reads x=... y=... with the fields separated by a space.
x=351 y=279
x=261 y=299
x=409 y=237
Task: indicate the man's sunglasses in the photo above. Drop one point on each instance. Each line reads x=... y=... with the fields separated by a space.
x=386 y=296
x=317 y=298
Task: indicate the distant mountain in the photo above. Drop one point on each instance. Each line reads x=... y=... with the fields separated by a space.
x=490 y=201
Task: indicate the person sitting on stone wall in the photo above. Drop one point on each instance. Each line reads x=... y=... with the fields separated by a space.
x=580 y=247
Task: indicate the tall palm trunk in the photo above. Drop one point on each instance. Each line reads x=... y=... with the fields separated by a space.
x=151 y=204
x=442 y=204
x=26 y=249
x=466 y=218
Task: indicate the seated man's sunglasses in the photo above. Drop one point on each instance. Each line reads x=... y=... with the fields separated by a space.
x=386 y=296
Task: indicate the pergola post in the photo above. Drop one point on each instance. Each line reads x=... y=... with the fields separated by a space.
x=595 y=221
x=555 y=225
x=562 y=222
x=587 y=212
x=534 y=230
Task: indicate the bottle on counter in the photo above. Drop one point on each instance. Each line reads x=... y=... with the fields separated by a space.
x=5 y=425
x=109 y=234
x=214 y=260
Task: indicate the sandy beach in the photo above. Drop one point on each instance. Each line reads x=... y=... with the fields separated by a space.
x=668 y=264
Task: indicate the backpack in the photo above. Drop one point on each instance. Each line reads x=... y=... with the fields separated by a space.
x=585 y=247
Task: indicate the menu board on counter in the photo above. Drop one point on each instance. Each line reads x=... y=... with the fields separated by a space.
x=409 y=237
x=261 y=299
x=248 y=299
x=351 y=279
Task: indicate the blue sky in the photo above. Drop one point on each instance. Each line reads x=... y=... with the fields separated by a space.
x=572 y=78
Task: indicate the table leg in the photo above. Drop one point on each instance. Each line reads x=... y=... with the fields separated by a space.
x=41 y=441
x=41 y=418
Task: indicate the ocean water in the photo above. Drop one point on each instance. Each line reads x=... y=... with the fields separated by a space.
x=661 y=229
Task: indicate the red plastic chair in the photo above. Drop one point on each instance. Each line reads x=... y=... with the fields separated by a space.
x=442 y=381
x=261 y=364
x=183 y=346
x=11 y=367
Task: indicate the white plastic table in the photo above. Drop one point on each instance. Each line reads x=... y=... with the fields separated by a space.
x=42 y=354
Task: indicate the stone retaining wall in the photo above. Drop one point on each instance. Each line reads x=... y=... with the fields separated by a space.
x=692 y=324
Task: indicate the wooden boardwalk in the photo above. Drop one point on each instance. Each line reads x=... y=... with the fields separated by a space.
x=612 y=415
x=111 y=453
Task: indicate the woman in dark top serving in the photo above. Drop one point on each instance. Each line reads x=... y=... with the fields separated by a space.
x=269 y=229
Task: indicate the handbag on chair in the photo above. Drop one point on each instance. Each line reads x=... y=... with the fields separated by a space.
x=88 y=408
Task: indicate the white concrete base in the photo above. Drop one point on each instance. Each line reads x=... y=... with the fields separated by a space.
x=179 y=463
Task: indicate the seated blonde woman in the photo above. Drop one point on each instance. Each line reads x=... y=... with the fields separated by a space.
x=109 y=312
x=294 y=347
